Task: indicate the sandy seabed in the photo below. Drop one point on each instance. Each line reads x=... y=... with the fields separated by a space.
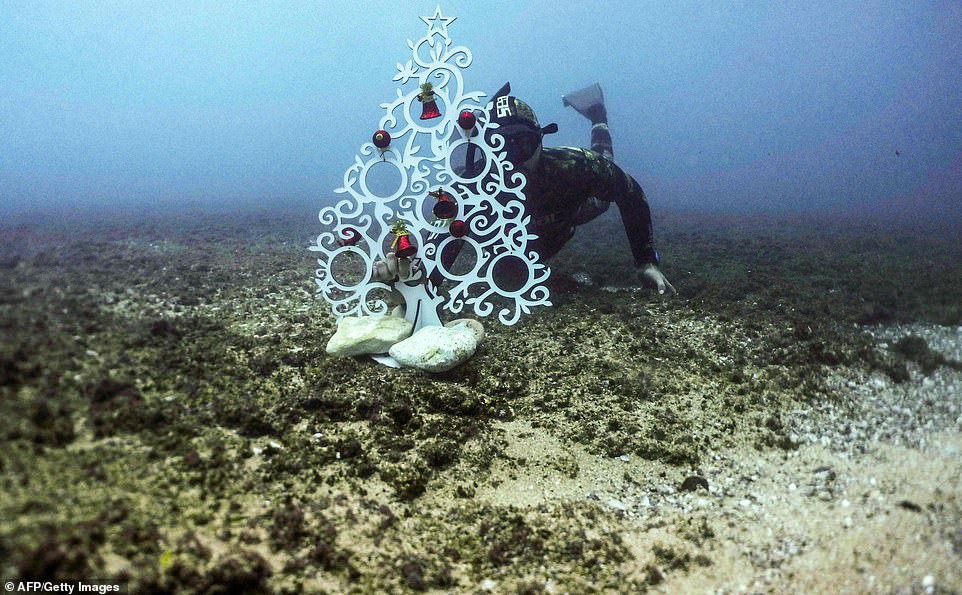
x=790 y=422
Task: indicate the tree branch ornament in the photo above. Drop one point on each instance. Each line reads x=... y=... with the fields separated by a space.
x=454 y=186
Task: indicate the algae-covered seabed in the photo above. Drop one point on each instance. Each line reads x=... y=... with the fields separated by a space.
x=790 y=422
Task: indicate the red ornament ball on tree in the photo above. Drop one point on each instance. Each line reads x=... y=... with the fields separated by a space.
x=458 y=228
x=381 y=139
x=349 y=237
x=467 y=120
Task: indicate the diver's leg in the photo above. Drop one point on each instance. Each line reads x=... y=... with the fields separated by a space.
x=590 y=103
x=601 y=139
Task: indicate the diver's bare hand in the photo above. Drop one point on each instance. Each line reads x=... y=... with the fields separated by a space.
x=652 y=277
x=391 y=269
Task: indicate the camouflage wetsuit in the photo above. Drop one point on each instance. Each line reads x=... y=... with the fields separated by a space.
x=570 y=186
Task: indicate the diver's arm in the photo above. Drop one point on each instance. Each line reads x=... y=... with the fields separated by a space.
x=610 y=183
x=636 y=217
x=622 y=189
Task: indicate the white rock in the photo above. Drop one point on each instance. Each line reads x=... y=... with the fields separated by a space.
x=472 y=324
x=436 y=348
x=367 y=334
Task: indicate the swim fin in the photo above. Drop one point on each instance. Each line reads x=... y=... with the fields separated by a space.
x=590 y=103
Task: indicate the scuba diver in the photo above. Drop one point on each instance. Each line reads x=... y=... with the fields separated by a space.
x=566 y=186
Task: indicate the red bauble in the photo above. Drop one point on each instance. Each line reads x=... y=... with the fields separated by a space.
x=381 y=139
x=458 y=228
x=467 y=120
x=349 y=237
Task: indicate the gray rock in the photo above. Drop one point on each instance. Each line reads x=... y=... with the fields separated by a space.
x=693 y=482
x=436 y=348
x=367 y=334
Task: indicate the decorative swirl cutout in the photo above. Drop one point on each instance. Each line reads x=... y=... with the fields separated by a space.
x=461 y=57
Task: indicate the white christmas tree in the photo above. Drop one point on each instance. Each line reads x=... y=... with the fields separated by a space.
x=455 y=186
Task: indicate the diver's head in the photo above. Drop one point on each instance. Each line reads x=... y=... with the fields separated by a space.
x=519 y=126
